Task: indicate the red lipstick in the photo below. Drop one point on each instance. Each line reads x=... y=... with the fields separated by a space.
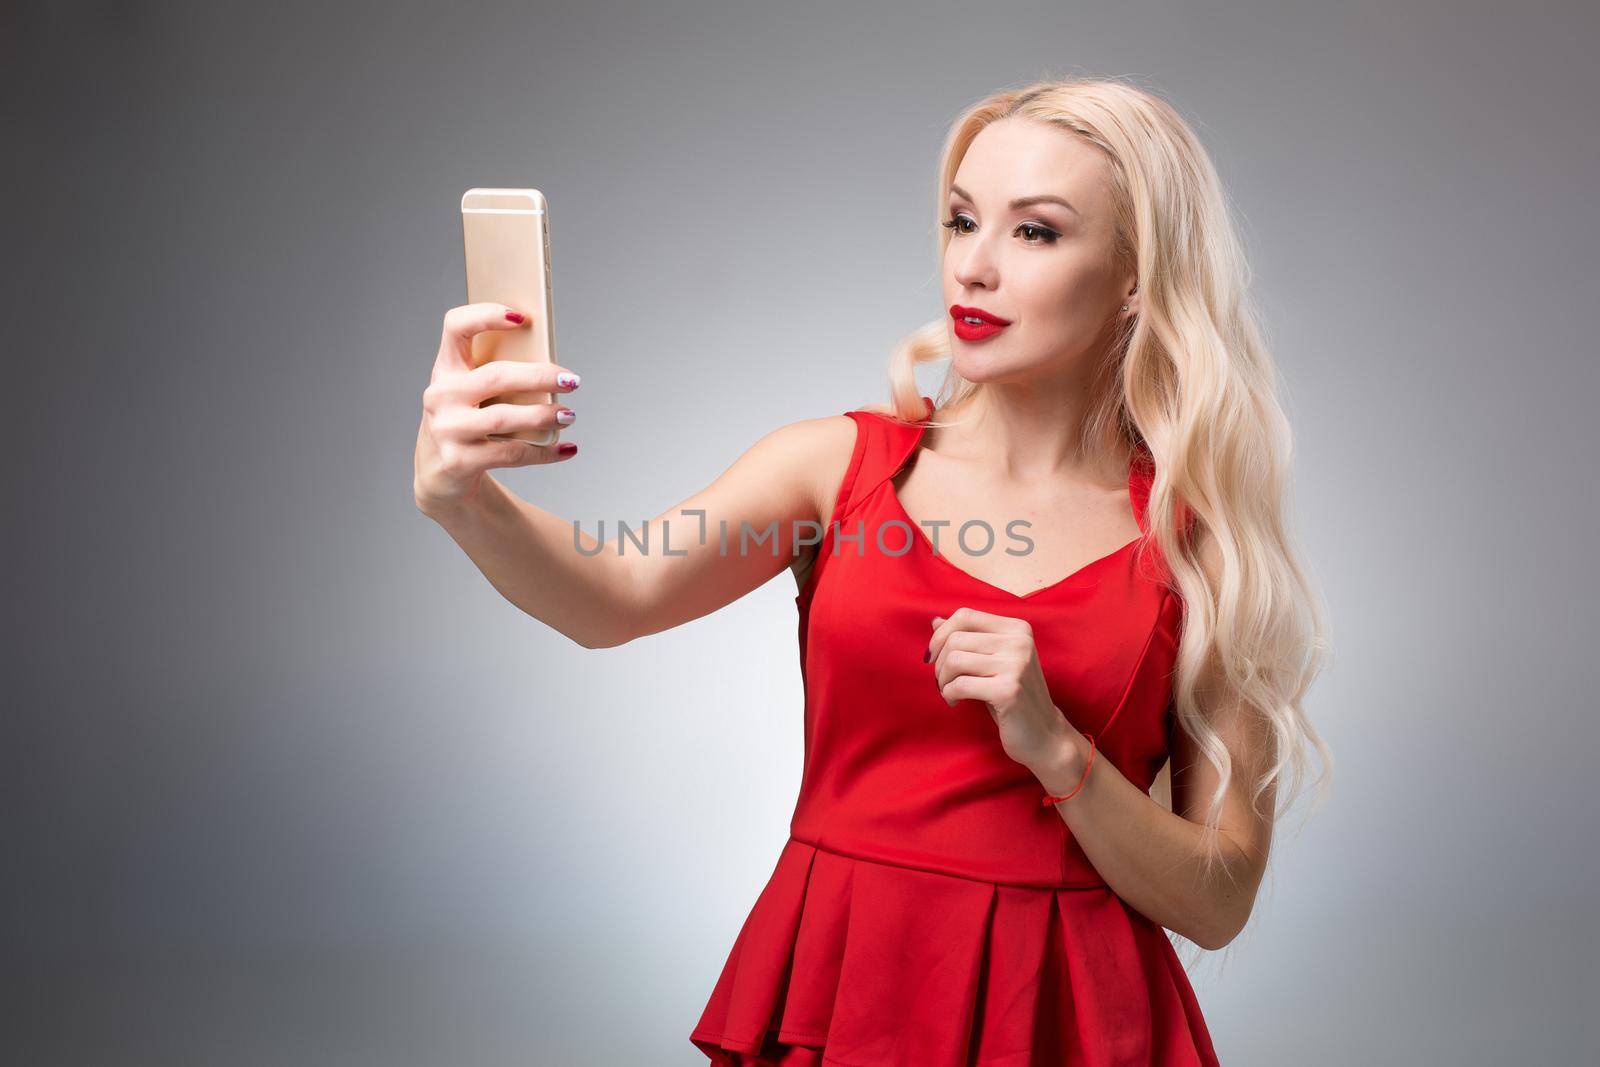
x=988 y=324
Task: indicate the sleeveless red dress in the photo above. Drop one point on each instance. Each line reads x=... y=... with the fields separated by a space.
x=927 y=910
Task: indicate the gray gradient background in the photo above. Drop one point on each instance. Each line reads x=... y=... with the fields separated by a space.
x=286 y=781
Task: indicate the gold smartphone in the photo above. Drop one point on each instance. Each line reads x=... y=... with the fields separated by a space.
x=507 y=236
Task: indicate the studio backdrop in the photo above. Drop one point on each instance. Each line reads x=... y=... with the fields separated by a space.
x=288 y=781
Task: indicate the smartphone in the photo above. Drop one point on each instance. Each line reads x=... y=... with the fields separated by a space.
x=507 y=237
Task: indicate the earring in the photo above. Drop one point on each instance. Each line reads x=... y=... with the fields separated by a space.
x=1124 y=307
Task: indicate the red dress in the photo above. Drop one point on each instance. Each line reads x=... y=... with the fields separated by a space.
x=926 y=910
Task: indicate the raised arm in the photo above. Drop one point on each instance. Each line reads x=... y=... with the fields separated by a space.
x=780 y=491
x=600 y=597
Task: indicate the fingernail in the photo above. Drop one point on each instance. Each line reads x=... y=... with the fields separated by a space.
x=566 y=448
x=565 y=416
x=567 y=380
x=516 y=316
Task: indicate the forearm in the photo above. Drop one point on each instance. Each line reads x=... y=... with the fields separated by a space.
x=529 y=555
x=1149 y=856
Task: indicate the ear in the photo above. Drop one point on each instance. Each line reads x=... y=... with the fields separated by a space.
x=1130 y=295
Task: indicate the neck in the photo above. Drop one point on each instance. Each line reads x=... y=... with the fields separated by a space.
x=1023 y=433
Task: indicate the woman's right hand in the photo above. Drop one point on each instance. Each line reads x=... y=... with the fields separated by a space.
x=454 y=447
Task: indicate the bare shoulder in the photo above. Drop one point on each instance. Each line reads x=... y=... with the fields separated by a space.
x=815 y=454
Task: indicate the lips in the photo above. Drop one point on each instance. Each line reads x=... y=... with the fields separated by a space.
x=989 y=324
x=957 y=311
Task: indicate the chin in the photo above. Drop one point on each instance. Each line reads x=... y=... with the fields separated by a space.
x=979 y=369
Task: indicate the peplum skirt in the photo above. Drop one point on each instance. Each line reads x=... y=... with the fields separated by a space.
x=850 y=962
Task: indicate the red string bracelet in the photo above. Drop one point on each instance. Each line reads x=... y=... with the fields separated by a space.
x=1049 y=800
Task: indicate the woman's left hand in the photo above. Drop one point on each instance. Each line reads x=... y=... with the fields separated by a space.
x=992 y=658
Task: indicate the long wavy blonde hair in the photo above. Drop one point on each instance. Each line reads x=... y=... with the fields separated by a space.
x=1190 y=377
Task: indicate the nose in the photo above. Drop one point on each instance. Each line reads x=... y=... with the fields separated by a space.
x=972 y=264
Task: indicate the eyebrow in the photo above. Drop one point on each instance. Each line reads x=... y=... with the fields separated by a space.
x=1021 y=201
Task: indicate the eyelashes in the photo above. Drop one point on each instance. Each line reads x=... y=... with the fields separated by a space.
x=1047 y=235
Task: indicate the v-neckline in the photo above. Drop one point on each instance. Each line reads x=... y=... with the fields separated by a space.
x=928 y=547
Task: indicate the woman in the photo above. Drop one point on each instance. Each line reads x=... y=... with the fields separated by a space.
x=960 y=887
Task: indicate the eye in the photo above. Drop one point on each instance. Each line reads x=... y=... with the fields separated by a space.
x=954 y=223
x=1046 y=236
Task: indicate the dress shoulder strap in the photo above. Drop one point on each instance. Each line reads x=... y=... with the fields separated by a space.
x=882 y=444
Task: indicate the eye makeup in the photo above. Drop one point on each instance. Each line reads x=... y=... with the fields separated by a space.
x=1047 y=236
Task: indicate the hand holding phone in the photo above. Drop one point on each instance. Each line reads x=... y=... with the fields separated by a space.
x=506 y=233
x=462 y=435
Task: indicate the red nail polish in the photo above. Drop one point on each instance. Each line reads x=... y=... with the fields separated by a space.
x=515 y=316
x=566 y=448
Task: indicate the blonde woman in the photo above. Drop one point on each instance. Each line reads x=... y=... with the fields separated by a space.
x=1028 y=608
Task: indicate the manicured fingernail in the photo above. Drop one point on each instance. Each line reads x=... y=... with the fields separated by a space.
x=568 y=380
x=566 y=448
x=565 y=416
x=516 y=316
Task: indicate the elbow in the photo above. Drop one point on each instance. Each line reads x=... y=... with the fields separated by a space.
x=608 y=636
x=1234 y=901
x=1216 y=939
x=1220 y=932
x=602 y=640
x=606 y=626
x=615 y=617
